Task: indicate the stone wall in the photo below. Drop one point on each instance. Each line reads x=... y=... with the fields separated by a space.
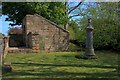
x=33 y=41
x=52 y=37
x=29 y=40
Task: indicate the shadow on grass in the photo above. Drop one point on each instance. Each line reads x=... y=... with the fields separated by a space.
x=60 y=79
x=43 y=74
x=58 y=74
x=65 y=65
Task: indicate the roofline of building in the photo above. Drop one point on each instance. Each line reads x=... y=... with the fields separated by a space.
x=50 y=22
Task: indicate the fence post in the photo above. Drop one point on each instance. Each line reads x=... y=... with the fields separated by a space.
x=1 y=55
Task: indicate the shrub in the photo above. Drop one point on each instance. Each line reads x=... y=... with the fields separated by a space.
x=103 y=38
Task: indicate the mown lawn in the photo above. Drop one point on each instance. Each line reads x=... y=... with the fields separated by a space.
x=62 y=65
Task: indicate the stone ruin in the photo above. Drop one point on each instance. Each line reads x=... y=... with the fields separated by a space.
x=38 y=34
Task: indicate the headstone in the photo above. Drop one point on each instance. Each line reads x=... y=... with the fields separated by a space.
x=89 y=53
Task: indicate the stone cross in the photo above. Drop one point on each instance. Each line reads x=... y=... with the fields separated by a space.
x=89 y=53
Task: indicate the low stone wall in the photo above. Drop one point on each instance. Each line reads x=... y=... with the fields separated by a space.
x=20 y=50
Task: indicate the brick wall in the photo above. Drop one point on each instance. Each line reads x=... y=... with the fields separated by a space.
x=51 y=36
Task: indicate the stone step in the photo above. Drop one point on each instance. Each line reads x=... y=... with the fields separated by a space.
x=21 y=50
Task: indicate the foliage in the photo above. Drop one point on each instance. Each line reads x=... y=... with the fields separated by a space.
x=54 y=11
x=72 y=29
x=0 y=34
x=72 y=47
x=105 y=21
x=0 y=8
x=15 y=30
x=107 y=38
x=62 y=65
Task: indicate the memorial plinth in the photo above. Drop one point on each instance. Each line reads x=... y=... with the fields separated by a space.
x=89 y=52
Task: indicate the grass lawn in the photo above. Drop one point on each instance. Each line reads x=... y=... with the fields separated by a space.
x=62 y=65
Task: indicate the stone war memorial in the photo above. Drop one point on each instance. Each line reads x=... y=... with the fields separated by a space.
x=89 y=53
x=38 y=34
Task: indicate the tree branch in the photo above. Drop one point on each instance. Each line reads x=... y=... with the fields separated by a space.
x=74 y=16
x=75 y=7
x=80 y=14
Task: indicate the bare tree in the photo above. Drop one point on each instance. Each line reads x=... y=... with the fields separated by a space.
x=69 y=10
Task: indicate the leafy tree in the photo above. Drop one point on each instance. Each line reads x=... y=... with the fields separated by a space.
x=54 y=11
x=105 y=21
x=0 y=34
x=57 y=12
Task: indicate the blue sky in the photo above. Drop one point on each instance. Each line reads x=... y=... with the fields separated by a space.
x=0 y=25
x=4 y=25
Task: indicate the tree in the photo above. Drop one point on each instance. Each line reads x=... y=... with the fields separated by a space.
x=52 y=11
x=1 y=35
x=70 y=8
x=57 y=12
x=105 y=21
x=0 y=8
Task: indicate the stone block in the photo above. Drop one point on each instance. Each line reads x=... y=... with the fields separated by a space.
x=35 y=51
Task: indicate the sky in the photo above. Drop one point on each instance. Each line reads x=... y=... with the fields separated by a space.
x=4 y=25
x=0 y=25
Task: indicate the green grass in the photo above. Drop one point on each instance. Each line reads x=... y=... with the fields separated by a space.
x=62 y=65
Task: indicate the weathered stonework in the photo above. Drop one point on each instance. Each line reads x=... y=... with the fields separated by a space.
x=39 y=34
x=42 y=34
x=89 y=53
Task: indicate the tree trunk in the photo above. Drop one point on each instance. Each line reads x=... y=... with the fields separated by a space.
x=66 y=26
